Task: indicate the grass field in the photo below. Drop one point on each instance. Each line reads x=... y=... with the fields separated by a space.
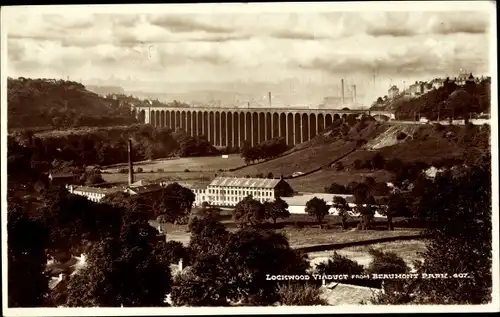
x=301 y=230
x=193 y=164
x=303 y=161
x=316 y=182
x=408 y=250
x=185 y=177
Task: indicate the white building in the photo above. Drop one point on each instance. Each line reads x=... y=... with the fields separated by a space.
x=228 y=191
x=95 y=194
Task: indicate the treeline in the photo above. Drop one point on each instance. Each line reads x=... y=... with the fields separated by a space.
x=128 y=264
x=61 y=104
x=448 y=101
x=262 y=151
x=27 y=152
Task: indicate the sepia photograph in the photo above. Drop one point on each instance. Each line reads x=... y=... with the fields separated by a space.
x=249 y=158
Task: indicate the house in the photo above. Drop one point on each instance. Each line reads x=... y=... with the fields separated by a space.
x=228 y=191
x=416 y=89
x=437 y=83
x=61 y=178
x=463 y=77
x=95 y=194
x=393 y=92
x=297 y=203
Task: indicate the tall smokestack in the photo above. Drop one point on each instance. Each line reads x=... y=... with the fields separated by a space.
x=270 y=104
x=130 y=165
x=354 y=93
x=342 y=92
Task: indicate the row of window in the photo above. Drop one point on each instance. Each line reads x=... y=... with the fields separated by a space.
x=267 y=193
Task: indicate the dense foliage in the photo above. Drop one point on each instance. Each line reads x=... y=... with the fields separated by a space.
x=265 y=150
x=230 y=268
x=61 y=104
x=27 y=152
x=457 y=207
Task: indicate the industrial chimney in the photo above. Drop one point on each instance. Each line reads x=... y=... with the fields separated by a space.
x=342 y=92
x=354 y=93
x=270 y=105
x=130 y=165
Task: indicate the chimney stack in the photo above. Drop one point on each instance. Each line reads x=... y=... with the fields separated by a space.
x=342 y=92
x=354 y=93
x=270 y=104
x=130 y=165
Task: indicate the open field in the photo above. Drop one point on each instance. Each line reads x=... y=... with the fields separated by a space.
x=316 y=182
x=300 y=161
x=57 y=133
x=181 y=177
x=301 y=230
x=408 y=250
x=193 y=164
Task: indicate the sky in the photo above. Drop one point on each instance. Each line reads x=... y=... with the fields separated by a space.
x=159 y=49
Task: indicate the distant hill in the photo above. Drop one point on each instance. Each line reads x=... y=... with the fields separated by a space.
x=450 y=100
x=105 y=90
x=35 y=103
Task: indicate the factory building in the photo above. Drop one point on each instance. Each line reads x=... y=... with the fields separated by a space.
x=228 y=191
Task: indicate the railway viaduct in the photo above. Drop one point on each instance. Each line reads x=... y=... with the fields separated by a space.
x=232 y=126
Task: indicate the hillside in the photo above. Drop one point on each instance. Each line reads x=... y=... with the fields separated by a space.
x=450 y=100
x=54 y=103
x=410 y=144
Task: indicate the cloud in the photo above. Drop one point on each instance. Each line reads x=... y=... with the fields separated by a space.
x=295 y=35
x=185 y=25
x=463 y=22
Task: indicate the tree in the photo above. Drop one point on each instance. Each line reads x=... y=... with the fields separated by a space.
x=124 y=270
x=294 y=294
x=230 y=268
x=388 y=263
x=364 y=204
x=343 y=208
x=317 y=208
x=335 y=188
x=338 y=264
x=277 y=209
x=94 y=179
x=175 y=201
x=249 y=212
x=457 y=207
x=26 y=241
x=250 y=255
x=396 y=205
x=377 y=161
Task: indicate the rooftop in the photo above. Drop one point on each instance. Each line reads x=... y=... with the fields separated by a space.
x=145 y=189
x=245 y=182
x=97 y=190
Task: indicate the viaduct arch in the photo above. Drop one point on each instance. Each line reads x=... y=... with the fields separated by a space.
x=233 y=126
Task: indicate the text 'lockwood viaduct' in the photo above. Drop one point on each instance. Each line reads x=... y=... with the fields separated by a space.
x=232 y=126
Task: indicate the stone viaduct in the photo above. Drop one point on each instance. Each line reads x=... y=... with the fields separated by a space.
x=232 y=126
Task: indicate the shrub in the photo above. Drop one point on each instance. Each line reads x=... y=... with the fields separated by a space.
x=186 y=170
x=438 y=127
x=401 y=136
x=296 y=294
x=358 y=164
x=335 y=188
x=160 y=170
x=270 y=175
x=338 y=166
x=123 y=171
x=139 y=170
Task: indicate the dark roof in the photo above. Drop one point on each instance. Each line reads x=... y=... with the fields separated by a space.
x=245 y=182
x=144 y=189
x=96 y=190
x=61 y=175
